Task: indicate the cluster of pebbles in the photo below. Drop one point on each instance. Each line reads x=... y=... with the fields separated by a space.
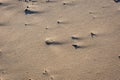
x=50 y=41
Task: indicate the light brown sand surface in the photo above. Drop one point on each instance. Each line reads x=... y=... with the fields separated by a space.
x=24 y=55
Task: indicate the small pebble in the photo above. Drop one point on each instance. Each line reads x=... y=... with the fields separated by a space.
x=45 y=72
x=58 y=22
x=76 y=46
x=52 y=42
x=64 y=3
x=74 y=37
x=92 y=34
x=119 y=56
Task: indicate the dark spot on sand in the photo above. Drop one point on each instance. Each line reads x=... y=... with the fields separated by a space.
x=46 y=28
x=4 y=4
x=0 y=3
x=64 y=3
x=27 y=11
x=116 y=1
x=50 y=1
x=27 y=6
x=119 y=56
x=51 y=78
x=29 y=79
x=75 y=38
x=47 y=0
x=26 y=24
x=52 y=42
x=58 y=22
x=92 y=34
x=76 y=46
x=45 y=73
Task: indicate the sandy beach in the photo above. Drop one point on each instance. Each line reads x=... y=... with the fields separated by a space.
x=59 y=40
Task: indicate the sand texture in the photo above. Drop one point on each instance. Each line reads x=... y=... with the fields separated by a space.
x=59 y=40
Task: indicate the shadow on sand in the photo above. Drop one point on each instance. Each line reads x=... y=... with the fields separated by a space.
x=53 y=43
x=26 y=11
x=78 y=46
x=117 y=1
x=4 y=4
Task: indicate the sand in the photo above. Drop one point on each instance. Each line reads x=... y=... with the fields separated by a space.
x=73 y=53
